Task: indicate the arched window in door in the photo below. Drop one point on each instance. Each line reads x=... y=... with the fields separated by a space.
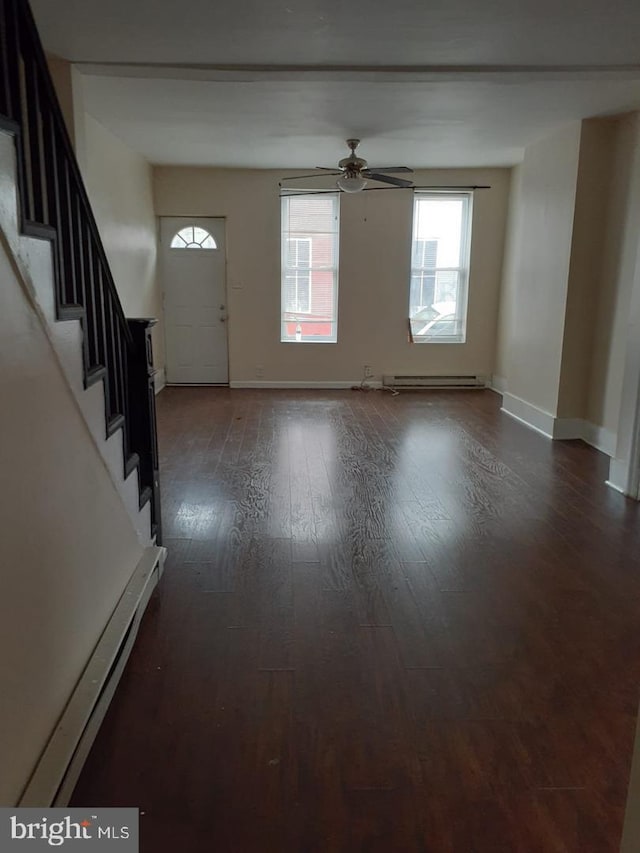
x=193 y=237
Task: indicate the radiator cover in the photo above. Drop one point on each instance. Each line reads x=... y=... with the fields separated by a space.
x=425 y=381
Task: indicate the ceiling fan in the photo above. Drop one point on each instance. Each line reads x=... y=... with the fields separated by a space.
x=354 y=172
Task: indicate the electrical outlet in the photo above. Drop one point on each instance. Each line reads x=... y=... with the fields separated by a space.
x=259 y=371
x=368 y=371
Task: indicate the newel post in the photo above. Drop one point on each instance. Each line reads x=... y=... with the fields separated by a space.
x=142 y=411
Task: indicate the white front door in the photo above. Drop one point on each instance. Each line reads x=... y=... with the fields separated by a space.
x=195 y=300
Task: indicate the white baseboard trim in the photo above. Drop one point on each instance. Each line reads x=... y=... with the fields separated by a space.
x=57 y=771
x=568 y=428
x=560 y=429
x=600 y=438
x=159 y=380
x=497 y=384
x=619 y=476
x=306 y=384
x=528 y=414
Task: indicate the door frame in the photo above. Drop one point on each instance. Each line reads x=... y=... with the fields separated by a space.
x=226 y=300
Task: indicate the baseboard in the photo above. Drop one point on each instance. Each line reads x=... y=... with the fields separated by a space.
x=497 y=384
x=597 y=436
x=560 y=429
x=619 y=476
x=305 y=384
x=57 y=771
x=528 y=414
x=615 y=487
x=568 y=428
x=159 y=379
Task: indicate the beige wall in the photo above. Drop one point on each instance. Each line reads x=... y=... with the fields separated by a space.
x=375 y=236
x=67 y=548
x=617 y=271
x=61 y=72
x=119 y=183
x=590 y=225
x=537 y=269
x=575 y=209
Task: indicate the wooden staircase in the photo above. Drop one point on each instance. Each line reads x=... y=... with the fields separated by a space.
x=54 y=206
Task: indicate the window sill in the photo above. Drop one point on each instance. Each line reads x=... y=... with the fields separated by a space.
x=309 y=341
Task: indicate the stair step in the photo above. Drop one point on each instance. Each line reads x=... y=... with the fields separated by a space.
x=114 y=423
x=145 y=497
x=40 y=230
x=131 y=464
x=70 y=312
x=95 y=374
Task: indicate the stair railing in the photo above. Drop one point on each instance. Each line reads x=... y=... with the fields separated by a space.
x=54 y=205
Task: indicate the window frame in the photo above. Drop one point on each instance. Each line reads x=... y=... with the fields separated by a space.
x=285 y=269
x=462 y=270
x=193 y=245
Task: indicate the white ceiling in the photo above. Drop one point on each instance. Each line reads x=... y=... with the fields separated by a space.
x=277 y=84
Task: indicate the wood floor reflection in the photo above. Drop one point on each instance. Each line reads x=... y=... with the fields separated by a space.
x=386 y=624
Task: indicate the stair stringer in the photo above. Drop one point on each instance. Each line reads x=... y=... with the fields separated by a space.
x=34 y=259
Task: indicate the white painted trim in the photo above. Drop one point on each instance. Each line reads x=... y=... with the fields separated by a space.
x=615 y=487
x=600 y=438
x=304 y=384
x=619 y=475
x=561 y=429
x=57 y=771
x=528 y=414
x=159 y=379
x=498 y=384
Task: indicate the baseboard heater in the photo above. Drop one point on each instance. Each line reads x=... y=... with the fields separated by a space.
x=422 y=381
x=59 y=766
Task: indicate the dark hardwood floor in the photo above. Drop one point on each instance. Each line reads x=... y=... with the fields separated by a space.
x=386 y=624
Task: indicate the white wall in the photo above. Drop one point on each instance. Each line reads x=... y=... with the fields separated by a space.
x=67 y=548
x=537 y=269
x=375 y=237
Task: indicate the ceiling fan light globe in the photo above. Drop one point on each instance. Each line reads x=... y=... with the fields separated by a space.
x=351 y=184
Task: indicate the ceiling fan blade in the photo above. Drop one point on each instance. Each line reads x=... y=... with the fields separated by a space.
x=331 y=169
x=387 y=179
x=298 y=177
x=286 y=194
x=404 y=169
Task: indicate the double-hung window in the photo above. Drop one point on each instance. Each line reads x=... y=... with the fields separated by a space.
x=440 y=266
x=309 y=293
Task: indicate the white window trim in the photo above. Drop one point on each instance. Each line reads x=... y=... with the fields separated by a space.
x=193 y=246
x=462 y=270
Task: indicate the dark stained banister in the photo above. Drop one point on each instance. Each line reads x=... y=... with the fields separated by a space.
x=54 y=205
